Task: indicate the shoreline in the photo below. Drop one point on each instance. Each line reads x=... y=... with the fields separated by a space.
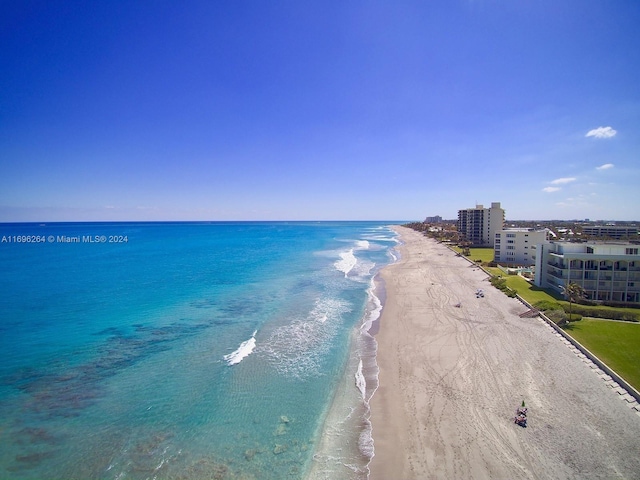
x=451 y=378
x=345 y=446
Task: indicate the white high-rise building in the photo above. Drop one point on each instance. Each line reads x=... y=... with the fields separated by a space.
x=517 y=246
x=479 y=225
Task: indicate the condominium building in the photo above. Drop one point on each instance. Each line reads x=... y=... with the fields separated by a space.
x=516 y=246
x=607 y=271
x=611 y=231
x=479 y=225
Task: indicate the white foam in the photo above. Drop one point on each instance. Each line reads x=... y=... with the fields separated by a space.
x=297 y=348
x=243 y=351
x=361 y=383
x=382 y=238
x=365 y=442
x=363 y=269
x=348 y=260
x=375 y=309
x=353 y=267
x=346 y=263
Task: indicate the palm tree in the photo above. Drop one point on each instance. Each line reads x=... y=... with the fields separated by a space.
x=573 y=292
x=464 y=245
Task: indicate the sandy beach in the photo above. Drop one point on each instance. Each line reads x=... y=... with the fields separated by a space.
x=451 y=379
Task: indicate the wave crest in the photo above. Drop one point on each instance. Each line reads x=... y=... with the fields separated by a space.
x=242 y=351
x=346 y=263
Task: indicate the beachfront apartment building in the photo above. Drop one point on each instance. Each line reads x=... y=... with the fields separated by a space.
x=479 y=225
x=609 y=272
x=517 y=246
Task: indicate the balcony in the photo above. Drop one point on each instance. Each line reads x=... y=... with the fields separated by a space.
x=555 y=274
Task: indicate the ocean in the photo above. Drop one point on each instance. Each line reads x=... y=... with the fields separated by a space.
x=233 y=350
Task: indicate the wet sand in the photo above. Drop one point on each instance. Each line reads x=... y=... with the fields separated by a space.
x=451 y=379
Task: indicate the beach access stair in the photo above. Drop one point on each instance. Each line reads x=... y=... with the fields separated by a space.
x=531 y=313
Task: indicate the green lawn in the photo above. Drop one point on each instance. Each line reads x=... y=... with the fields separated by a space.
x=484 y=254
x=526 y=290
x=529 y=291
x=615 y=343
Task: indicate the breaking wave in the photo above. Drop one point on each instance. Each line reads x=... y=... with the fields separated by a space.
x=243 y=350
x=349 y=262
x=346 y=263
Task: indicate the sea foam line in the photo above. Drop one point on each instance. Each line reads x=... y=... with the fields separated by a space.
x=243 y=350
x=369 y=372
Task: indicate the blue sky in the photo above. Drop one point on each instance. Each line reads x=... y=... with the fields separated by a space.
x=288 y=110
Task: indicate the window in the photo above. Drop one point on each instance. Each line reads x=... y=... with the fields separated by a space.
x=631 y=251
x=511 y=235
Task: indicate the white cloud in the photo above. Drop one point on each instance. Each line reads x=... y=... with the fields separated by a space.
x=606 y=166
x=601 y=132
x=550 y=189
x=563 y=180
x=579 y=201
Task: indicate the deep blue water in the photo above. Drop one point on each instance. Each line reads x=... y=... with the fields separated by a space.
x=188 y=350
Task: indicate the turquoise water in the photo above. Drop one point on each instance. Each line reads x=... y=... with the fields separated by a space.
x=188 y=350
